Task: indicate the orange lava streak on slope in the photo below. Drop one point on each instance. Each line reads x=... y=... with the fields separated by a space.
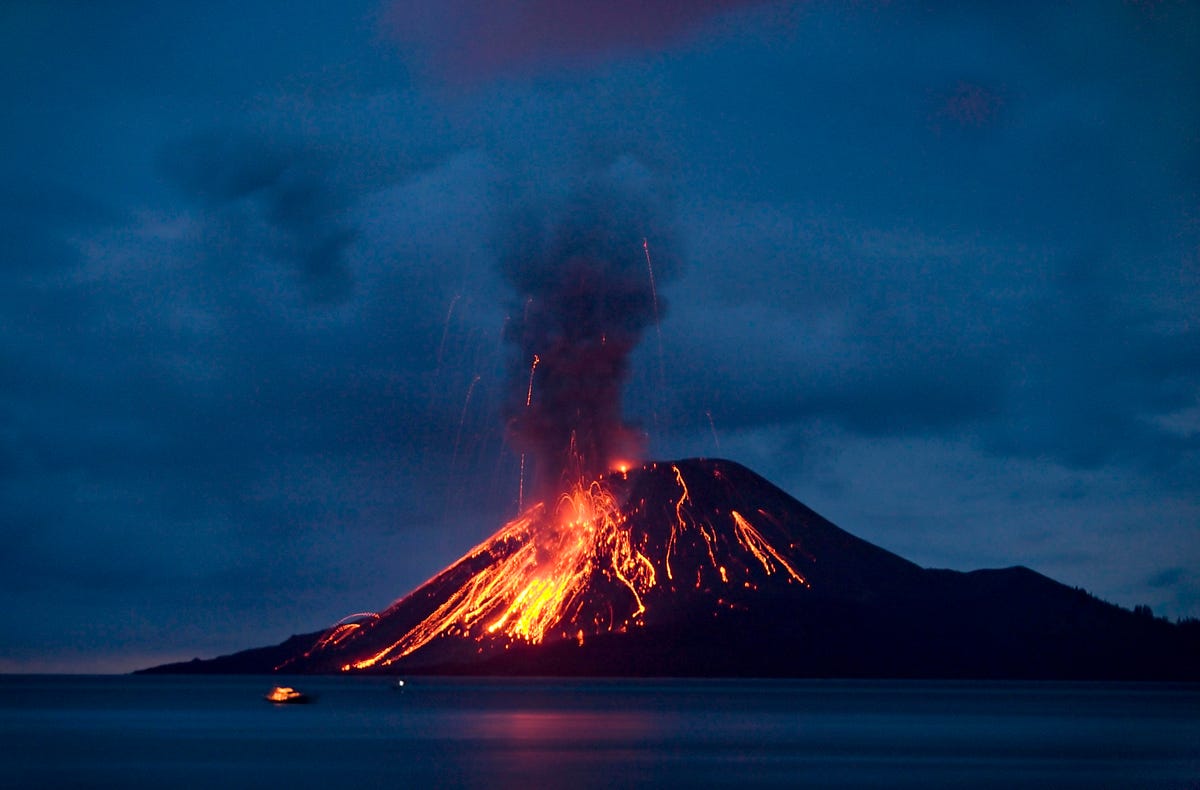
x=681 y=525
x=528 y=593
x=753 y=541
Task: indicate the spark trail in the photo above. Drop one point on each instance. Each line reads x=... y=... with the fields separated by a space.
x=532 y=370
x=662 y=373
x=521 y=486
x=462 y=419
x=528 y=402
x=446 y=329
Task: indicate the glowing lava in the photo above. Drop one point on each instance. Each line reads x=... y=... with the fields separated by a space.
x=586 y=566
x=543 y=563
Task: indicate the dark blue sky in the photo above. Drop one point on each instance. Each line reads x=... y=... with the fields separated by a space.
x=932 y=268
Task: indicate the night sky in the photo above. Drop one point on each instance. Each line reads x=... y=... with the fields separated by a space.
x=932 y=268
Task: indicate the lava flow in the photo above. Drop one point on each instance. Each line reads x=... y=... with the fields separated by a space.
x=541 y=563
x=610 y=555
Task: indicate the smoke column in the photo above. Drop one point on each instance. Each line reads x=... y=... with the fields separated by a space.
x=583 y=299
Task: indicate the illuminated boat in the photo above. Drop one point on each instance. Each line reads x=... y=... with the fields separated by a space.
x=285 y=695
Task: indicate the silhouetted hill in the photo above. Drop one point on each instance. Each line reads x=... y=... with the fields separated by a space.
x=702 y=568
x=258 y=660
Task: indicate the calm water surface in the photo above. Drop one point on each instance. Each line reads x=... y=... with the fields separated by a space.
x=218 y=732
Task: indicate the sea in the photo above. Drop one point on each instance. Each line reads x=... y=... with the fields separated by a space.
x=220 y=732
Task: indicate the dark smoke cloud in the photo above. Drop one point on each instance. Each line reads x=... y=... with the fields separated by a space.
x=584 y=297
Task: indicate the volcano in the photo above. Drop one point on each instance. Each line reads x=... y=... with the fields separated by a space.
x=703 y=568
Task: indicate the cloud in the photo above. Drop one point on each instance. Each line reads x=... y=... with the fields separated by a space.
x=171 y=415
x=967 y=106
x=469 y=41
x=1061 y=357
x=1095 y=374
x=37 y=217
x=280 y=194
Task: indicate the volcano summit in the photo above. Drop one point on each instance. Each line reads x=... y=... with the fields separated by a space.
x=702 y=568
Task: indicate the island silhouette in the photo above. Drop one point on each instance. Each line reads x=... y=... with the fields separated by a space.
x=702 y=568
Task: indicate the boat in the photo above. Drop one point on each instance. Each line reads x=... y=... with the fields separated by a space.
x=285 y=695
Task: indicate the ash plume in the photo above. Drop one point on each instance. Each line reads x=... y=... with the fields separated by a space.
x=584 y=296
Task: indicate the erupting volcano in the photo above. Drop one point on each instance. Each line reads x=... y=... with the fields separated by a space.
x=703 y=568
x=605 y=549
x=696 y=567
